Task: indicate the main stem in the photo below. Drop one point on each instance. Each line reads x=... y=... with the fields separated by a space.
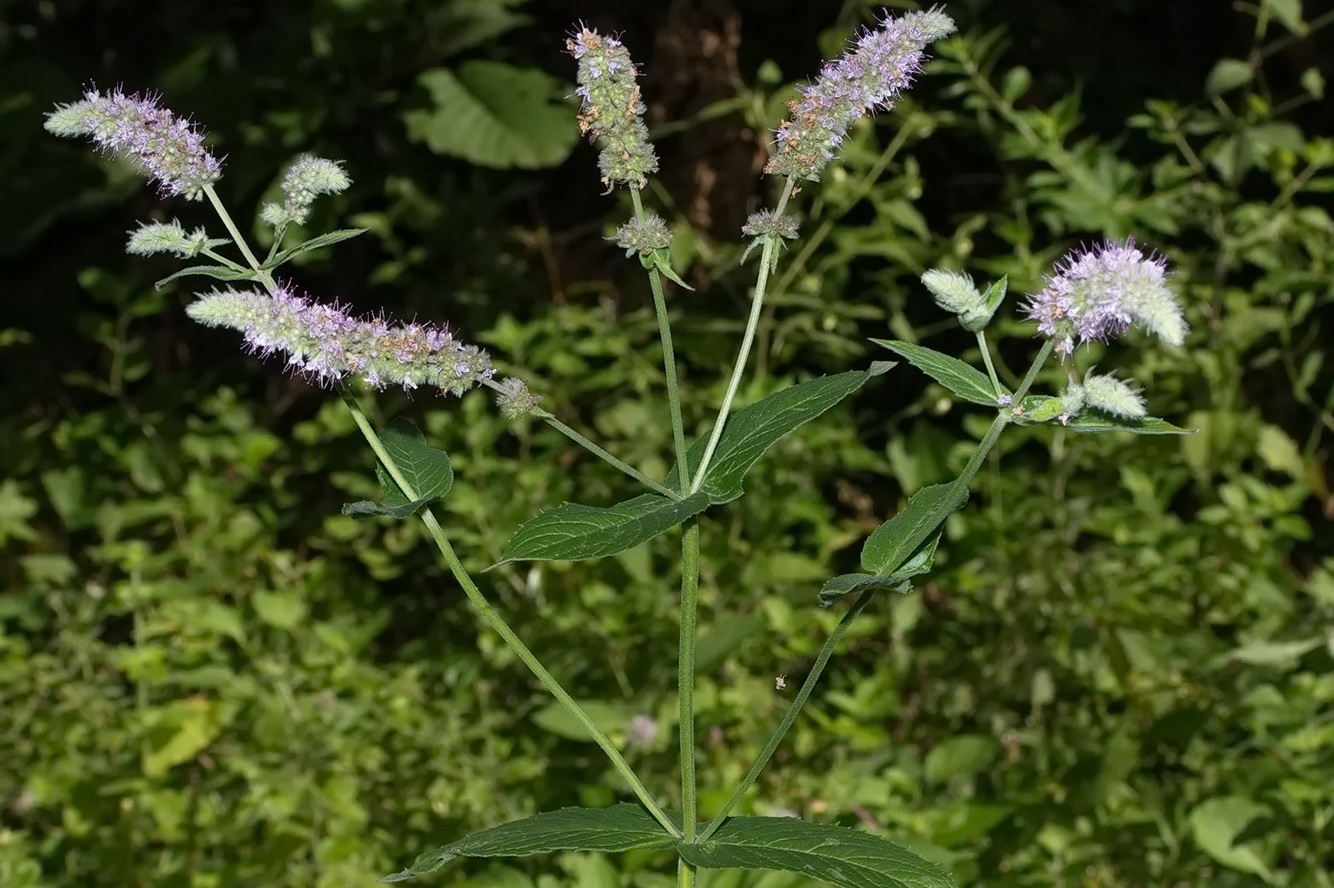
x=685 y=677
x=505 y=632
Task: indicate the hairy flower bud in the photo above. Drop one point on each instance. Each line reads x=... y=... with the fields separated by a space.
x=328 y=344
x=164 y=146
x=514 y=398
x=167 y=237
x=644 y=238
x=873 y=73
x=1100 y=292
x=307 y=178
x=612 y=114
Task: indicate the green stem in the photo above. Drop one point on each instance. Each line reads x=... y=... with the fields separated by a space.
x=685 y=678
x=502 y=628
x=263 y=276
x=668 y=361
x=986 y=359
x=595 y=449
x=761 y=283
x=827 y=651
x=957 y=495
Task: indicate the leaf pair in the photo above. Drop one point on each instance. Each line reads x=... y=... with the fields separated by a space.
x=838 y=856
x=237 y=273
x=571 y=531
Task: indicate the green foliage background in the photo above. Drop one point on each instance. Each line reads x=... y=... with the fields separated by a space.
x=1121 y=674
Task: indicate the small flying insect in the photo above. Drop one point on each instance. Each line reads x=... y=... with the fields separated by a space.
x=780 y=682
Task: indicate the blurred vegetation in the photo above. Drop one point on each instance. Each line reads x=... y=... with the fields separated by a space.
x=1121 y=674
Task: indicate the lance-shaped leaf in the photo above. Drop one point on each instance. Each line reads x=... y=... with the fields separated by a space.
x=753 y=430
x=571 y=532
x=622 y=827
x=896 y=579
x=835 y=855
x=963 y=380
x=1147 y=425
x=894 y=543
x=315 y=243
x=427 y=470
x=218 y=272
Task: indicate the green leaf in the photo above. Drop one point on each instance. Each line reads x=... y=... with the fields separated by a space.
x=1101 y=422
x=495 y=115
x=427 y=470
x=621 y=827
x=853 y=583
x=281 y=610
x=1274 y=653
x=219 y=272
x=1217 y=823
x=963 y=380
x=836 y=855
x=1227 y=75
x=609 y=718
x=894 y=544
x=960 y=756
x=571 y=532
x=315 y=243
x=754 y=429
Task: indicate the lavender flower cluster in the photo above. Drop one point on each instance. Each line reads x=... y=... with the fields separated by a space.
x=1101 y=292
x=612 y=113
x=328 y=344
x=873 y=74
x=166 y=147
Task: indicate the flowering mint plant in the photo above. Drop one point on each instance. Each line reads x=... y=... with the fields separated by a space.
x=1095 y=293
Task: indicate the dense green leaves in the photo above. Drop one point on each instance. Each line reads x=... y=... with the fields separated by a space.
x=835 y=855
x=570 y=532
x=427 y=471
x=619 y=828
x=754 y=429
x=962 y=380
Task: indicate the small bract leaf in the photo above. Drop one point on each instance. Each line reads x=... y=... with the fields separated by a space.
x=838 y=856
x=850 y=584
x=621 y=827
x=964 y=381
x=571 y=532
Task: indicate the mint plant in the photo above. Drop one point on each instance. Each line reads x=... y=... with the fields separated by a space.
x=1095 y=293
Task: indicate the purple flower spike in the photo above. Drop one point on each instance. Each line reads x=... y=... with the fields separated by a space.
x=873 y=73
x=1101 y=292
x=166 y=147
x=612 y=114
x=327 y=344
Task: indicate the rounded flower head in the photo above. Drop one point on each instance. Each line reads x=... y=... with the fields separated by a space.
x=166 y=147
x=871 y=74
x=612 y=114
x=1101 y=292
x=328 y=344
